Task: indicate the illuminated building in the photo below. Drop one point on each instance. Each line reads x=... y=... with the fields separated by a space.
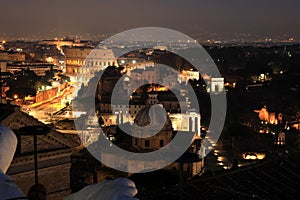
x=97 y=60
x=187 y=75
x=4 y=77
x=84 y=62
x=3 y=66
x=12 y=56
x=269 y=117
x=38 y=68
x=189 y=122
x=217 y=85
x=60 y=43
x=75 y=59
x=134 y=62
x=261 y=78
x=263 y=114
x=141 y=76
x=272 y=118
x=160 y=139
x=280 y=139
x=160 y=131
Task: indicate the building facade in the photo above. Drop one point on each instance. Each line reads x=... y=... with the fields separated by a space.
x=83 y=62
x=54 y=151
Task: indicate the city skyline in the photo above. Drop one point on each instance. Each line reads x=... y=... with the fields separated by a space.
x=34 y=19
x=149 y=99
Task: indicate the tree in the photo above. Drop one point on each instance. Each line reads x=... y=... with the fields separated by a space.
x=49 y=74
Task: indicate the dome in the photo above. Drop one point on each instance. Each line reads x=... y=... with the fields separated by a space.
x=158 y=115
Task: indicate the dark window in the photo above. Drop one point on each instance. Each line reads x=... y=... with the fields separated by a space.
x=190 y=124
x=147 y=143
x=161 y=143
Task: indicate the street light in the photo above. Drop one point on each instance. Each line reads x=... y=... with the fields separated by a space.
x=35 y=131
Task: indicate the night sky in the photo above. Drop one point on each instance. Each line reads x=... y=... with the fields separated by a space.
x=224 y=17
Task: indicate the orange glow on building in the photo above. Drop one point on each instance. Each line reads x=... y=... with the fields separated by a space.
x=158 y=89
x=254 y=156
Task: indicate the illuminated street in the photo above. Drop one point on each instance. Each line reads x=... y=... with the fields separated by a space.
x=43 y=111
